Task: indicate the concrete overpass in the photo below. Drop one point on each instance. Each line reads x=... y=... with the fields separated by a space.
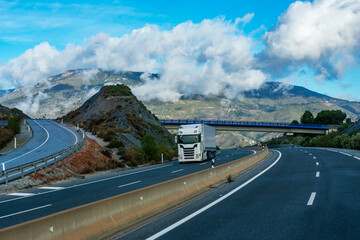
x=247 y=126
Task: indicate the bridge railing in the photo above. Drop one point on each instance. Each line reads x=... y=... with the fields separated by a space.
x=27 y=168
x=243 y=123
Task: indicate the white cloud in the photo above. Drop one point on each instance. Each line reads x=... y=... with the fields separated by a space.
x=31 y=105
x=323 y=33
x=205 y=58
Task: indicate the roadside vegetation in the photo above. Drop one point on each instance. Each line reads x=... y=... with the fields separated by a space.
x=334 y=139
x=8 y=133
x=149 y=152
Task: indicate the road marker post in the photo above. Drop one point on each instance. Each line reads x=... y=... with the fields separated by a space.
x=162 y=158
x=15 y=142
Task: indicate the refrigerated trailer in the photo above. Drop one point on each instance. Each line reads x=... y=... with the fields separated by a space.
x=196 y=142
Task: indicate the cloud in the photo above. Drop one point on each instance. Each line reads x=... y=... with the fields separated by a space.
x=192 y=58
x=324 y=34
x=31 y=105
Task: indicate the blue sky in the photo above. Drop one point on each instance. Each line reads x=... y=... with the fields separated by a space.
x=60 y=24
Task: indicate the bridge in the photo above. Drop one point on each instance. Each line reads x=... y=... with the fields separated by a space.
x=248 y=126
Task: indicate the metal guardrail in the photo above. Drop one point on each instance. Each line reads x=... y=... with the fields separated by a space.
x=43 y=162
x=245 y=123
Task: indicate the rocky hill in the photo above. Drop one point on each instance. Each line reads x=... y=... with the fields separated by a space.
x=115 y=113
x=65 y=92
x=272 y=102
x=6 y=112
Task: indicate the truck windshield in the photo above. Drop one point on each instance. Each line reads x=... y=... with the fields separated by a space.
x=187 y=139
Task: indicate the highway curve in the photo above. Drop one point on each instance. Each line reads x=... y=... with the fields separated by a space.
x=301 y=193
x=49 y=137
x=39 y=202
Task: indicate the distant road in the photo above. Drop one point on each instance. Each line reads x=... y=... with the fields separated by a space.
x=49 y=137
x=302 y=193
x=38 y=202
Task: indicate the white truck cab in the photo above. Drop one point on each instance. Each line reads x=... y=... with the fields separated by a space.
x=196 y=142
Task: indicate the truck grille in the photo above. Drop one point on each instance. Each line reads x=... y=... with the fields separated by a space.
x=189 y=153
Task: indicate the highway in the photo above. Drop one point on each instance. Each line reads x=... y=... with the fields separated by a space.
x=49 y=137
x=35 y=203
x=299 y=193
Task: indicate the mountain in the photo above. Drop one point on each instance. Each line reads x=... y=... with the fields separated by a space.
x=114 y=112
x=6 y=112
x=4 y=92
x=65 y=92
x=274 y=102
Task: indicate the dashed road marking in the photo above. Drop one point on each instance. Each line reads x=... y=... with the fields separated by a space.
x=317 y=163
x=346 y=154
x=314 y=157
x=357 y=158
x=205 y=162
x=51 y=188
x=177 y=170
x=21 y=194
x=311 y=199
x=317 y=174
x=129 y=184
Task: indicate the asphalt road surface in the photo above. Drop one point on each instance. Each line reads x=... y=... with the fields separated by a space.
x=301 y=193
x=35 y=203
x=48 y=138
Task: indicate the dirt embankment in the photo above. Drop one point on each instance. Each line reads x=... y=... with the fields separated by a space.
x=88 y=160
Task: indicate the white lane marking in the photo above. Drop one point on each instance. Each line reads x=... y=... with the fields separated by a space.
x=314 y=157
x=311 y=199
x=253 y=151
x=205 y=162
x=47 y=138
x=177 y=170
x=317 y=163
x=310 y=154
x=175 y=225
x=29 y=210
x=87 y=183
x=21 y=194
x=357 y=158
x=129 y=184
x=52 y=188
x=76 y=139
x=317 y=174
x=346 y=154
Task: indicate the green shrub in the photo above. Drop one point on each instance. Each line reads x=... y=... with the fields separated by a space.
x=150 y=148
x=134 y=156
x=14 y=124
x=115 y=143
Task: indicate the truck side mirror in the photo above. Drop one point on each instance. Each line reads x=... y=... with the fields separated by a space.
x=176 y=139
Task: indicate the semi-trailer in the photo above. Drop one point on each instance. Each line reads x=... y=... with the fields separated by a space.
x=196 y=143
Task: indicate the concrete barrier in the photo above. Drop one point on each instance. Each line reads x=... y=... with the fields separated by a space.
x=101 y=218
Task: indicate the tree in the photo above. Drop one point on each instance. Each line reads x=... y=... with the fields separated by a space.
x=336 y=117
x=14 y=124
x=150 y=148
x=307 y=117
